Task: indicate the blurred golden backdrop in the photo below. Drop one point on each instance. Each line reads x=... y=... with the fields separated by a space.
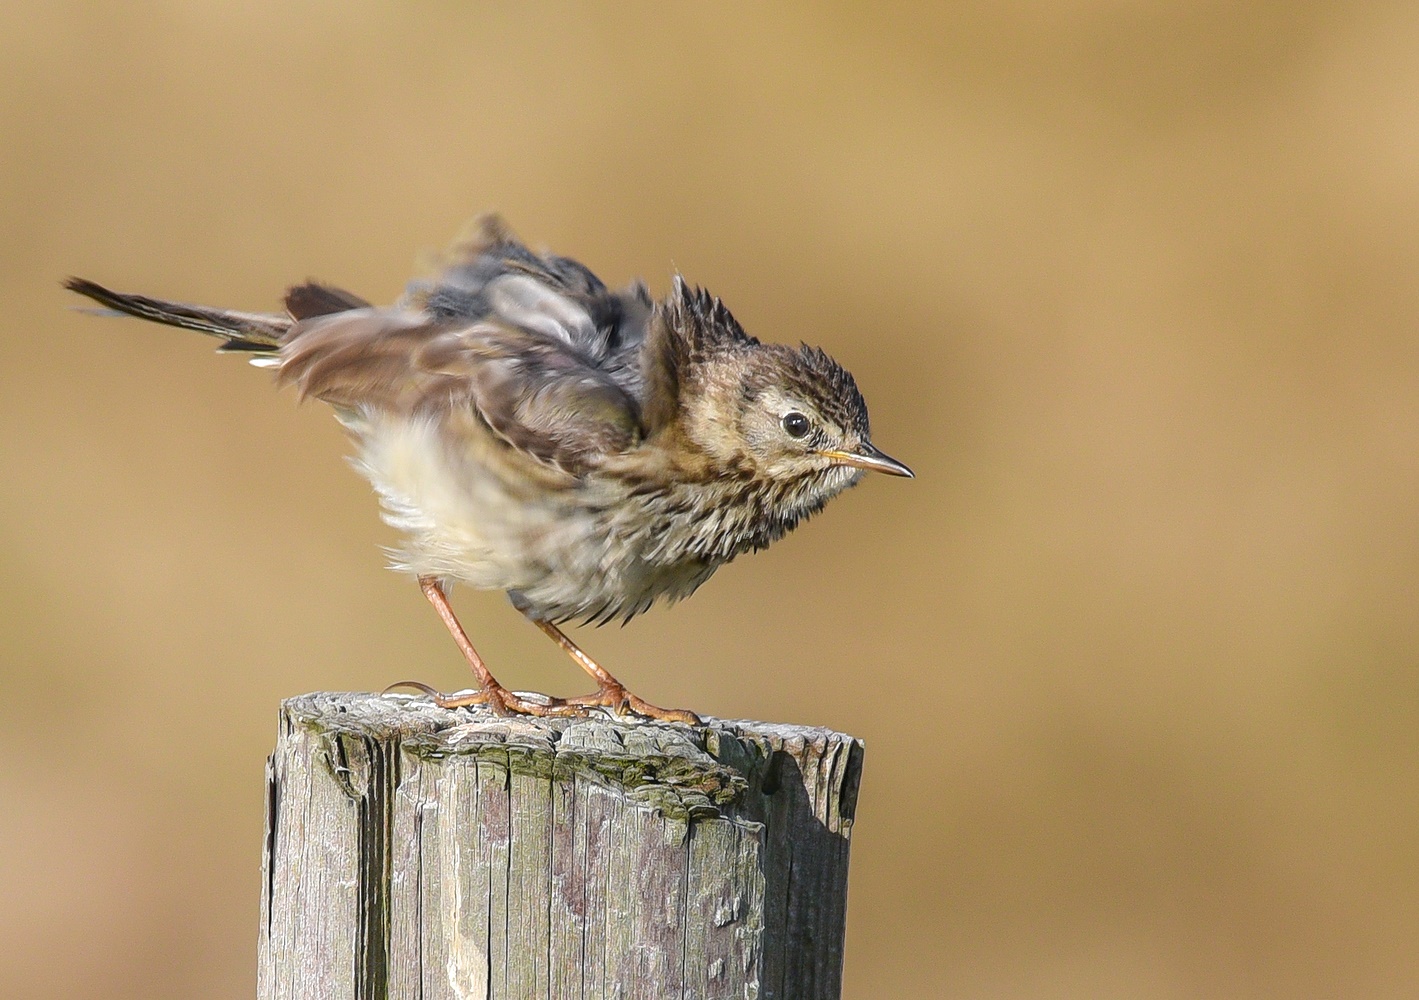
x=1130 y=285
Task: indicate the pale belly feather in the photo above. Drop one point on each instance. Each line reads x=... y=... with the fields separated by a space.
x=587 y=549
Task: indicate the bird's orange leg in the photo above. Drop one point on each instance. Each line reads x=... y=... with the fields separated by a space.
x=610 y=692
x=490 y=692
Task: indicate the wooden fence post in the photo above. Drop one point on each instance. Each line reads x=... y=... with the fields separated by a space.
x=417 y=852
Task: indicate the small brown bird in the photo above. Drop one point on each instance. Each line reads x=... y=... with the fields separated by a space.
x=583 y=450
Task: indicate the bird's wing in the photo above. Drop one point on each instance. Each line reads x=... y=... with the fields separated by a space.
x=490 y=274
x=541 y=395
x=534 y=344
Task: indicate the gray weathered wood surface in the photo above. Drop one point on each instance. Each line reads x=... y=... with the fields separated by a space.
x=417 y=852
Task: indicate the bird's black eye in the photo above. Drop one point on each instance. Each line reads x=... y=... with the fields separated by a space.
x=796 y=424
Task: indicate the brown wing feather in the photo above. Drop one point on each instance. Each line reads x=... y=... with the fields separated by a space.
x=356 y=358
x=537 y=394
x=544 y=400
x=661 y=358
x=314 y=299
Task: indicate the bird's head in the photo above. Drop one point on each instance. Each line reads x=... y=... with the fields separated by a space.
x=792 y=414
x=786 y=415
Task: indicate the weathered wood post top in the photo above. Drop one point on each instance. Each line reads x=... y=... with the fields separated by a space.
x=413 y=851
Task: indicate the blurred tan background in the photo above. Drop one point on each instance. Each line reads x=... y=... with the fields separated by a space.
x=1133 y=286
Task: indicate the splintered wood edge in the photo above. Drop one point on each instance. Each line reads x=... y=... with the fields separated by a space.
x=723 y=767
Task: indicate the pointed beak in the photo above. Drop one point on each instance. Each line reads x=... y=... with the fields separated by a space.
x=868 y=457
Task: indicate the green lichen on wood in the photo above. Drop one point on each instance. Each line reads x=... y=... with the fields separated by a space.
x=680 y=788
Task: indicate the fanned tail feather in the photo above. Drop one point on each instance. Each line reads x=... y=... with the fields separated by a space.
x=256 y=334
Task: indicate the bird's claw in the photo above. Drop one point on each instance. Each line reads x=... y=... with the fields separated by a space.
x=419 y=686
x=498 y=698
x=616 y=698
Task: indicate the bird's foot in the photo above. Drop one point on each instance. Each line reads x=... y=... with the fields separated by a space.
x=504 y=702
x=618 y=700
x=498 y=698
